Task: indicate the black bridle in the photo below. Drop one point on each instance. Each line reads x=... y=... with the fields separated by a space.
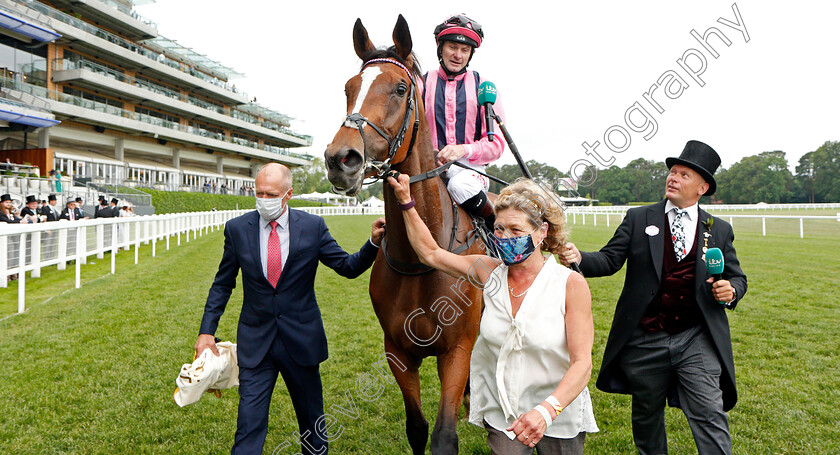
x=357 y=120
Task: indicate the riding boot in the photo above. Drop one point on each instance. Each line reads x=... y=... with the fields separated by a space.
x=479 y=206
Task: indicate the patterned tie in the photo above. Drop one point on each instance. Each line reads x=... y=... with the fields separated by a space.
x=678 y=234
x=275 y=257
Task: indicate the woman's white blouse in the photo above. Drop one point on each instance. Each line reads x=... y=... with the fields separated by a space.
x=518 y=362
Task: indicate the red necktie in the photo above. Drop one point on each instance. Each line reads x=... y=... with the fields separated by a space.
x=275 y=257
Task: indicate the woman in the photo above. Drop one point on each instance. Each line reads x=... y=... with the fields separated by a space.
x=533 y=357
x=57 y=174
x=8 y=214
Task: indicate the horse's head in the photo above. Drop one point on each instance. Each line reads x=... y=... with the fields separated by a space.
x=383 y=112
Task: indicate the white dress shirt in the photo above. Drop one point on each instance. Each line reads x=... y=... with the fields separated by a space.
x=282 y=232
x=689 y=225
x=518 y=361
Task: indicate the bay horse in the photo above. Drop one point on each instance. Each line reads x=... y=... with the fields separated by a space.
x=423 y=312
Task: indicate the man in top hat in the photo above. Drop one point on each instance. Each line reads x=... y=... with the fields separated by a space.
x=103 y=210
x=670 y=334
x=79 y=203
x=31 y=210
x=50 y=211
x=102 y=204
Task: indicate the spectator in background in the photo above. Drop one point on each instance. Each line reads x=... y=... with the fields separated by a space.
x=70 y=212
x=102 y=205
x=105 y=210
x=30 y=212
x=57 y=185
x=7 y=209
x=126 y=210
x=50 y=211
x=79 y=203
x=7 y=215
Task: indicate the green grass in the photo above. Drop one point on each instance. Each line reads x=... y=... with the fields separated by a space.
x=93 y=369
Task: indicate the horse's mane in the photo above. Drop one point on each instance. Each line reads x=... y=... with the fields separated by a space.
x=391 y=53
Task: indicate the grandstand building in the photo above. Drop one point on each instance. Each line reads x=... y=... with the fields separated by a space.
x=90 y=88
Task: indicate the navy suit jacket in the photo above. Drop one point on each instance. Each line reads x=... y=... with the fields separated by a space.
x=289 y=310
x=644 y=254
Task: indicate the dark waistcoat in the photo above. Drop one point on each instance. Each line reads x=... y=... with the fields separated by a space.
x=675 y=309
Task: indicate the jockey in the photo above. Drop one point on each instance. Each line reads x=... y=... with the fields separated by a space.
x=456 y=121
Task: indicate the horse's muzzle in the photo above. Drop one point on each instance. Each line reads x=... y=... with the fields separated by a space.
x=346 y=160
x=345 y=169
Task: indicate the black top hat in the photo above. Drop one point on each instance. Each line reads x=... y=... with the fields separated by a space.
x=702 y=159
x=115 y=200
x=78 y=199
x=101 y=197
x=6 y=197
x=51 y=197
x=31 y=198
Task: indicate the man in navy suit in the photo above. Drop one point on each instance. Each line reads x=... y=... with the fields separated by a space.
x=280 y=328
x=670 y=334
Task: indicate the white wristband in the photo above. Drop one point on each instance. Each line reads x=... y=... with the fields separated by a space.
x=544 y=412
x=552 y=400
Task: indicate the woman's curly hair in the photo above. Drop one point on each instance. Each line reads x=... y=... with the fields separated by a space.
x=540 y=204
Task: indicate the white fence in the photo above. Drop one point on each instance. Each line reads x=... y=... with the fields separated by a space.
x=618 y=212
x=613 y=209
x=31 y=247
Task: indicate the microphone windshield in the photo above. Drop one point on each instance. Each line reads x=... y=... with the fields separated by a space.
x=486 y=93
x=714 y=261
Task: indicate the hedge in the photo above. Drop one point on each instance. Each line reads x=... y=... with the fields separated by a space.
x=182 y=201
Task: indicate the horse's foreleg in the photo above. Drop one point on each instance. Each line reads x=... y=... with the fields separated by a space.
x=407 y=375
x=453 y=371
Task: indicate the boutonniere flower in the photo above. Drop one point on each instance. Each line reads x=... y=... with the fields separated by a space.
x=708 y=222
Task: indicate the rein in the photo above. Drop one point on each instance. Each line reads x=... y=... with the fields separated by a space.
x=357 y=120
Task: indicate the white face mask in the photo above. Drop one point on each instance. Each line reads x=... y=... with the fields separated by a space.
x=271 y=208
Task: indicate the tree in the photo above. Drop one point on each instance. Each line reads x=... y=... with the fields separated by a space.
x=508 y=173
x=759 y=178
x=818 y=173
x=312 y=178
x=647 y=178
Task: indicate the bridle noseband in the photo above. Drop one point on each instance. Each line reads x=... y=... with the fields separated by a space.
x=357 y=120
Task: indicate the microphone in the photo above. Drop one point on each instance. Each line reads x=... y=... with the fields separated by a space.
x=714 y=263
x=486 y=98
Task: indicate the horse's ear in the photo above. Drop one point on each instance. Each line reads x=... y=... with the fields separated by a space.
x=402 y=38
x=361 y=41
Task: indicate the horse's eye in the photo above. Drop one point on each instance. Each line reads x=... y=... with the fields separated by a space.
x=401 y=89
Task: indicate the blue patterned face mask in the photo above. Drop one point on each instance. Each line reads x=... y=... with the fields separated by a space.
x=514 y=250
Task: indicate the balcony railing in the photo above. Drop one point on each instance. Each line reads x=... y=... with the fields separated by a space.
x=134 y=47
x=117 y=111
x=65 y=64
x=124 y=9
x=4 y=100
